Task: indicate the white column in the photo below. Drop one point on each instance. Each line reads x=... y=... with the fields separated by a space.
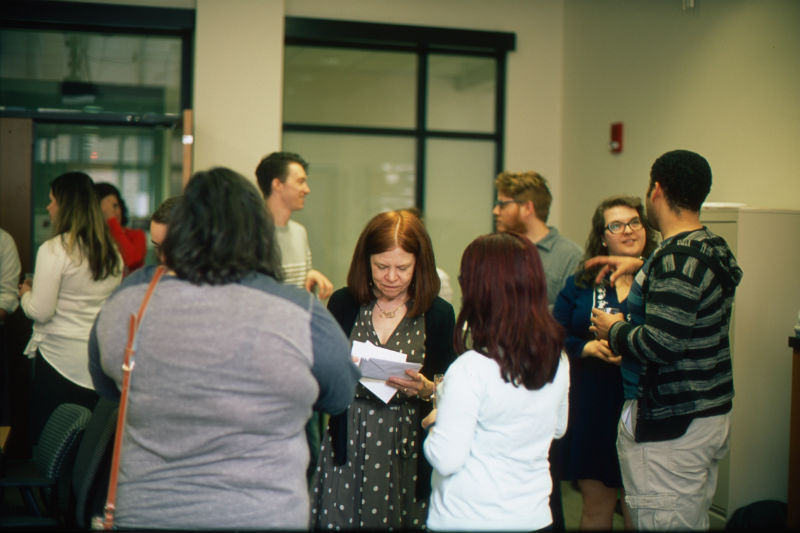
x=238 y=83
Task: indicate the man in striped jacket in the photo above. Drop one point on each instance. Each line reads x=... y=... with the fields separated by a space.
x=676 y=353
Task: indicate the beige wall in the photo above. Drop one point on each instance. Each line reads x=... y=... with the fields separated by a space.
x=722 y=79
x=534 y=93
x=237 y=82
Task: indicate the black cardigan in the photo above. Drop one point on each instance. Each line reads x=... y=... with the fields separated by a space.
x=439 y=353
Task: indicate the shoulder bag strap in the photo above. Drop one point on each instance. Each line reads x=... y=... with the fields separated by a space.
x=127 y=368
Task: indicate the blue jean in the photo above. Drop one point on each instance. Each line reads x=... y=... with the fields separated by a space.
x=669 y=484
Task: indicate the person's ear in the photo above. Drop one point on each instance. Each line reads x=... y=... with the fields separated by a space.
x=276 y=184
x=656 y=191
x=527 y=208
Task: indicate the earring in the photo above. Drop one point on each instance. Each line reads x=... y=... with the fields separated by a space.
x=604 y=244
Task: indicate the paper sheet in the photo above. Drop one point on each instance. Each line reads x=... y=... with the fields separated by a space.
x=379 y=364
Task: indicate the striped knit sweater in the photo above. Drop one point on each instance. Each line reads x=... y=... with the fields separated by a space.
x=684 y=344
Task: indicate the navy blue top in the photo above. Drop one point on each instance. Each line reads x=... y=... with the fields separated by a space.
x=588 y=450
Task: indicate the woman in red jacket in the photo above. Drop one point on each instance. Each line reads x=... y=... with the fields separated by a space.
x=132 y=243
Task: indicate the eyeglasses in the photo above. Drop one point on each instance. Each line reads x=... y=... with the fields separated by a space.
x=618 y=226
x=502 y=203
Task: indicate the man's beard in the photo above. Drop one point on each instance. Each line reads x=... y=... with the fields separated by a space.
x=650 y=213
x=514 y=226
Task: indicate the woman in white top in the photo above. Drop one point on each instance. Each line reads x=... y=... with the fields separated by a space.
x=503 y=401
x=76 y=270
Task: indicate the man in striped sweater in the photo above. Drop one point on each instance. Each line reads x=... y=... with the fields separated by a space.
x=675 y=350
x=283 y=180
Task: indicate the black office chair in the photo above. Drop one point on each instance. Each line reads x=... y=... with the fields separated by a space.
x=43 y=481
x=93 y=463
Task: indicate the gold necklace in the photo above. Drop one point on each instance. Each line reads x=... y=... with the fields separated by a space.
x=388 y=314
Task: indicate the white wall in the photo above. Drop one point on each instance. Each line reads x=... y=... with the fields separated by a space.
x=722 y=79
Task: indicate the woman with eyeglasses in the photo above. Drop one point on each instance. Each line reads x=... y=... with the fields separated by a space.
x=588 y=451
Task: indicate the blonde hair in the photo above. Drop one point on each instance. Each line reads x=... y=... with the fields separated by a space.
x=524 y=187
x=80 y=223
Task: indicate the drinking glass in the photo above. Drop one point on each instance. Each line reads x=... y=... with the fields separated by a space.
x=438 y=380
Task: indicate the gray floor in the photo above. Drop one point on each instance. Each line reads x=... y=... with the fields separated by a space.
x=572 y=504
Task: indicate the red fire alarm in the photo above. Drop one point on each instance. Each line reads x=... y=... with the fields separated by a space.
x=616 y=137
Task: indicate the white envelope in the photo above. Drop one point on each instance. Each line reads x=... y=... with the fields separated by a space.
x=377 y=365
x=369 y=350
x=379 y=388
x=382 y=369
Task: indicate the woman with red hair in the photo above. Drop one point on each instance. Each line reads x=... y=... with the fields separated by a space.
x=372 y=473
x=503 y=400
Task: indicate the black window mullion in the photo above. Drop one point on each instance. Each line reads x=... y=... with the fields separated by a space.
x=421 y=120
x=423 y=41
x=500 y=111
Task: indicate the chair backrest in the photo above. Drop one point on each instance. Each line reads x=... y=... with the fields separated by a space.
x=59 y=440
x=54 y=453
x=90 y=473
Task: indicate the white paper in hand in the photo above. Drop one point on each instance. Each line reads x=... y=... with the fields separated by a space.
x=379 y=364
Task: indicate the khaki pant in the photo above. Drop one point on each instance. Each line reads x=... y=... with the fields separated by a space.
x=669 y=484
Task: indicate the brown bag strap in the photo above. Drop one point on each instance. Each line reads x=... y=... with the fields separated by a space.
x=127 y=368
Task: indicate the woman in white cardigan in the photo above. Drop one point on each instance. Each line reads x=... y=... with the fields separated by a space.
x=76 y=270
x=503 y=401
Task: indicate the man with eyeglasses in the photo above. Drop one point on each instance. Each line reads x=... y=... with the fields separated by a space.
x=675 y=430
x=522 y=206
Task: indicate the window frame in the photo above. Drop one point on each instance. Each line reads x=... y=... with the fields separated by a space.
x=106 y=18
x=422 y=41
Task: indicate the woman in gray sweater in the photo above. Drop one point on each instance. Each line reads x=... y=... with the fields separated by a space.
x=229 y=365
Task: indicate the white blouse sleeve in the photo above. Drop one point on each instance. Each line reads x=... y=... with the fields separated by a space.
x=9 y=273
x=39 y=304
x=563 y=407
x=450 y=439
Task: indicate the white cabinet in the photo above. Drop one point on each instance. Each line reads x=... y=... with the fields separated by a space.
x=766 y=243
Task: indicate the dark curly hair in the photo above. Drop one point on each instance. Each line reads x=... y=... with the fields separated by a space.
x=220 y=231
x=104 y=189
x=685 y=178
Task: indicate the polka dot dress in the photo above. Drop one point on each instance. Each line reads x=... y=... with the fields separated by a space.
x=375 y=488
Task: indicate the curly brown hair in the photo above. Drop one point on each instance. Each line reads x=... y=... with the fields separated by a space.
x=594 y=243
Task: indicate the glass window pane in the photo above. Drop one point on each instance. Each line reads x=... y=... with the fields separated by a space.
x=459 y=194
x=135 y=159
x=344 y=87
x=352 y=178
x=89 y=71
x=461 y=93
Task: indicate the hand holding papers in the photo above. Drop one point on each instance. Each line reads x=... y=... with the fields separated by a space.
x=379 y=364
